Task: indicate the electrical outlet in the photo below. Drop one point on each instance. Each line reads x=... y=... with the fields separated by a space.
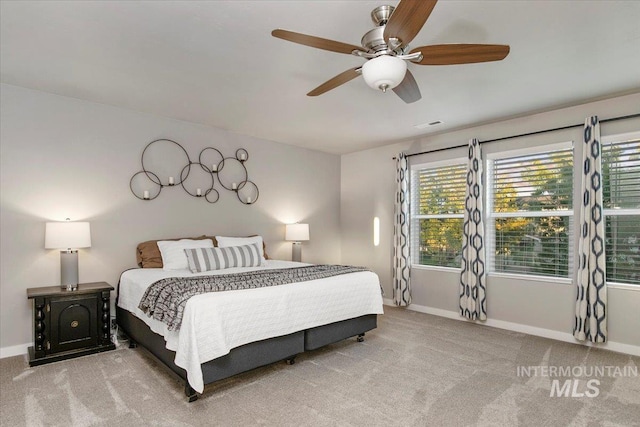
x=114 y=324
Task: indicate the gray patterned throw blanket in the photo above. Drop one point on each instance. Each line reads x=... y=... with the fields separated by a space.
x=166 y=299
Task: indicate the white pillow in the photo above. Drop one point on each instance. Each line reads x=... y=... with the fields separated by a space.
x=227 y=242
x=172 y=251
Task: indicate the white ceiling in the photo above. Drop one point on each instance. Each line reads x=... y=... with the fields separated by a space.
x=216 y=63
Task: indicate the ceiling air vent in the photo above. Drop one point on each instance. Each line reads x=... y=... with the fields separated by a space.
x=426 y=125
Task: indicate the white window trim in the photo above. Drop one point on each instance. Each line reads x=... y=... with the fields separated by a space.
x=438 y=163
x=532 y=277
x=625 y=286
x=532 y=214
x=516 y=152
x=438 y=216
x=620 y=212
x=436 y=268
x=619 y=137
x=490 y=216
x=414 y=216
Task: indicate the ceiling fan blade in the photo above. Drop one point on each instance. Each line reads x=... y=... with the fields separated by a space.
x=447 y=54
x=316 y=42
x=408 y=90
x=338 y=80
x=407 y=20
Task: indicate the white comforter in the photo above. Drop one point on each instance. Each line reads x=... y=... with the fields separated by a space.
x=216 y=322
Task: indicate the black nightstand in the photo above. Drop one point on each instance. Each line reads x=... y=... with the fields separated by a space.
x=70 y=324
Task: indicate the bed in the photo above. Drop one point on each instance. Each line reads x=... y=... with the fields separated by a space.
x=226 y=333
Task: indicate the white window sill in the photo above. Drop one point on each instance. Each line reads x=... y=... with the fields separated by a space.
x=624 y=286
x=532 y=278
x=558 y=280
x=435 y=268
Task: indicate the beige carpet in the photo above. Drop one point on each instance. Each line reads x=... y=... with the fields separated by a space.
x=415 y=369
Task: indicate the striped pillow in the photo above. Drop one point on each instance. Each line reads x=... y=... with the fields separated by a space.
x=207 y=259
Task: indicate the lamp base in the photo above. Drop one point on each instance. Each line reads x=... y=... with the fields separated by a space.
x=69 y=270
x=296 y=252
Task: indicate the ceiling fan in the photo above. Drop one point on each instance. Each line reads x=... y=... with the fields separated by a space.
x=386 y=49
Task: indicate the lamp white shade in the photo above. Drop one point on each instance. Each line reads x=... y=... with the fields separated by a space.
x=384 y=72
x=297 y=232
x=67 y=235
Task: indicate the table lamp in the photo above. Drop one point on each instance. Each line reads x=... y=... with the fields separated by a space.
x=297 y=233
x=68 y=236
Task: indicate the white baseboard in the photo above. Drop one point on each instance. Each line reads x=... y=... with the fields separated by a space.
x=14 y=350
x=633 y=350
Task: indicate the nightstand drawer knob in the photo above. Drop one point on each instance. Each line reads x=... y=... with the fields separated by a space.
x=74 y=324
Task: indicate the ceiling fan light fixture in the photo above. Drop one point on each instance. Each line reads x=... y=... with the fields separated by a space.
x=384 y=72
x=386 y=48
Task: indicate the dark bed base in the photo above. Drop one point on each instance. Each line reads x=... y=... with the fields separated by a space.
x=249 y=356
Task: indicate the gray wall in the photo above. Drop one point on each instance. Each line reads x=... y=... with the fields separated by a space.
x=62 y=157
x=367 y=190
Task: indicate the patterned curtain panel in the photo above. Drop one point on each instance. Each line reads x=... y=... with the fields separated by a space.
x=591 y=300
x=473 y=297
x=401 y=246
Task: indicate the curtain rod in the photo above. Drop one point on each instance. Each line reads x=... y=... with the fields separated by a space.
x=631 y=116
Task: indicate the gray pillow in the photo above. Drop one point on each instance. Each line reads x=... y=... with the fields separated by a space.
x=207 y=259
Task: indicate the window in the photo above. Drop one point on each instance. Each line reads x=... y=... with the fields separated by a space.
x=621 y=199
x=438 y=191
x=530 y=209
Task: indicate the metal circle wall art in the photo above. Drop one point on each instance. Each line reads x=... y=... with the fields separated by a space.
x=146 y=195
x=248 y=192
x=211 y=168
x=232 y=173
x=165 y=148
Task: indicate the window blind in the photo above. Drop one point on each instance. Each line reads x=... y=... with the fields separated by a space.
x=621 y=199
x=438 y=204
x=441 y=190
x=530 y=210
